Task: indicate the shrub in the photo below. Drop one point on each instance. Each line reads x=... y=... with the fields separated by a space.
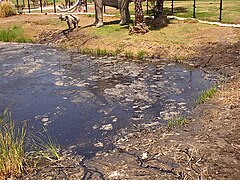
x=7 y=9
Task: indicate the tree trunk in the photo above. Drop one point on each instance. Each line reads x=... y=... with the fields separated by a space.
x=159 y=9
x=160 y=20
x=139 y=24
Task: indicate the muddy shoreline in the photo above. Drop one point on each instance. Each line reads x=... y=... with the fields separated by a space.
x=207 y=147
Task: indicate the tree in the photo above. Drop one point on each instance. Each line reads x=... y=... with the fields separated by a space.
x=139 y=24
x=160 y=20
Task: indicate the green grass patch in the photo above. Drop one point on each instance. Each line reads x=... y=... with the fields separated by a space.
x=128 y=54
x=90 y=15
x=141 y=54
x=205 y=95
x=178 y=121
x=99 y=52
x=13 y=34
x=112 y=30
x=85 y=51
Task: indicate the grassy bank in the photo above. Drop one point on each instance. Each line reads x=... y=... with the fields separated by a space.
x=178 y=41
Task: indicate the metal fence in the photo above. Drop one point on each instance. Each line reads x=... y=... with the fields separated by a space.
x=209 y=10
x=42 y=6
x=194 y=9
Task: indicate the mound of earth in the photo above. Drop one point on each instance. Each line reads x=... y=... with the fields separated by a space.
x=63 y=38
x=223 y=58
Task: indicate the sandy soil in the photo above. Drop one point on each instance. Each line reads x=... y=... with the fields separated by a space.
x=206 y=148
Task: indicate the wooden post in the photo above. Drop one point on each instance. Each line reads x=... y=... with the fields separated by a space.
x=172 y=7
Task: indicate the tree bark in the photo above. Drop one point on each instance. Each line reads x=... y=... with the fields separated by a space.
x=139 y=24
x=160 y=20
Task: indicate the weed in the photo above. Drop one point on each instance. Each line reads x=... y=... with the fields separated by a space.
x=128 y=54
x=101 y=52
x=117 y=51
x=11 y=146
x=141 y=54
x=178 y=59
x=44 y=146
x=90 y=15
x=85 y=51
x=179 y=121
x=205 y=95
x=170 y=124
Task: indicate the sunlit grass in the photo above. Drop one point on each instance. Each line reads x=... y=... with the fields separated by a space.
x=14 y=158
x=11 y=146
x=44 y=145
x=178 y=121
x=13 y=34
x=205 y=95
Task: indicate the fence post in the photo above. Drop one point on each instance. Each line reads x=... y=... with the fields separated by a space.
x=23 y=4
x=69 y=3
x=54 y=5
x=220 y=15
x=104 y=9
x=41 y=5
x=172 y=7
x=194 y=8
x=28 y=6
x=86 y=6
x=147 y=8
x=17 y=6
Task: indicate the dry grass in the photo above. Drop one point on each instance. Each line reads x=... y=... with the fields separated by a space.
x=14 y=159
x=178 y=40
x=11 y=146
x=6 y=9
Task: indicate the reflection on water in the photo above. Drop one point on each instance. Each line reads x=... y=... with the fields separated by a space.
x=85 y=101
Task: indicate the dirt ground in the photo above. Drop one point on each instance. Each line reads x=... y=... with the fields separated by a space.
x=206 y=148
